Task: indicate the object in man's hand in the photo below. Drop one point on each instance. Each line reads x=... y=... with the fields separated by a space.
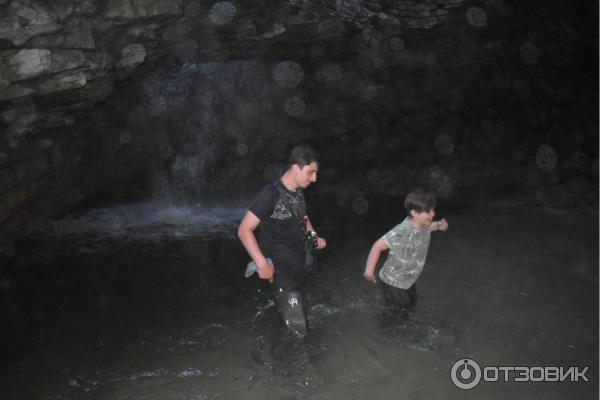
x=251 y=268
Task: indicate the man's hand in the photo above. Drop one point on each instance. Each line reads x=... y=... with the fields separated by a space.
x=440 y=225
x=321 y=243
x=370 y=277
x=265 y=271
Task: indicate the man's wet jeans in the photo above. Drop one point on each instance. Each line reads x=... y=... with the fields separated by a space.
x=291 y=310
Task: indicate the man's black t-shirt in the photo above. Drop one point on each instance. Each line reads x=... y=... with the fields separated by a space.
x=281 y=234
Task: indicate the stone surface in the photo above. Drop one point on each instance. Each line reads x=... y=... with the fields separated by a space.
x=134 y=9
x=31 y=63
x=28 y=63
x=15 y=92
x=62 y=82
x=26 y=19
x=132 y=55
x=77 y=34
x=194 y=96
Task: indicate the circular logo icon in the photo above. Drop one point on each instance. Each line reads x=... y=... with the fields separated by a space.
x=465 y=374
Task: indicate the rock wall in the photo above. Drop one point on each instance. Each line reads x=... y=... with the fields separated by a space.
x=105 y=100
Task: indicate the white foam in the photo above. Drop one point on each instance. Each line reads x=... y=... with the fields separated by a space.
x=150 y=220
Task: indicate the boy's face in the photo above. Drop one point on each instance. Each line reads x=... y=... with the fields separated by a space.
x=422 y=218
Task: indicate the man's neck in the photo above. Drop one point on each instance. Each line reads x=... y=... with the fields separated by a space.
x=288 y=181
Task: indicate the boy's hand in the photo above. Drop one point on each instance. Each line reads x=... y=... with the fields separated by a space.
x=370 y=277
x=441 y=225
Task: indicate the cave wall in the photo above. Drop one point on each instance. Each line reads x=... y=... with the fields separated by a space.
x=195 y=100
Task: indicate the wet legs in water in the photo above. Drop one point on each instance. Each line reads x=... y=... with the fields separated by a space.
x=399 y=301
x=290 y=307
x=284 y=350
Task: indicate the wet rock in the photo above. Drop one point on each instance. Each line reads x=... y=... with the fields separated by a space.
x=77 y=34
x=132 y=55
x=177 y=31
x=4 y=81
x=134 y=9
x=30 y=63
x=16 y=91
x=99 y=63
x=186 y=50
x=421 y=15
x=63 y=60
x=359 y=71
x=60 y=82
x=20 y=121
x=352 y=10
x=25 y=20
x=331 y=27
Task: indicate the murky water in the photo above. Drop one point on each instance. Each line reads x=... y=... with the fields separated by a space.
x=150 y=302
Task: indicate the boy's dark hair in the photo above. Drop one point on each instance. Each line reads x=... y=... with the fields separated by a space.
x=302 y=155
x=419 y=200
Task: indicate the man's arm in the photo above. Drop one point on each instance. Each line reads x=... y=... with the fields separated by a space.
x=246 y=234
x=321 y=242
x=378 y=247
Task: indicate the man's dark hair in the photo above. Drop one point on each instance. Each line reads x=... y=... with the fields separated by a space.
x=419 y=200
x=302 y=155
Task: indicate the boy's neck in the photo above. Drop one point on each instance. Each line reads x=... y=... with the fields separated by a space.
x=414 y=223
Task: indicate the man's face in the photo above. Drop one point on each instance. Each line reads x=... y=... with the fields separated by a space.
x=306 y=175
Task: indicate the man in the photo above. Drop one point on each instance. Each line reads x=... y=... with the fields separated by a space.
x=280 y=212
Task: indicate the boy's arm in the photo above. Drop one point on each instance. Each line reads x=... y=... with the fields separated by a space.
x=321 y=242
x=246 y=234
x=379 y=246
x=440 y=225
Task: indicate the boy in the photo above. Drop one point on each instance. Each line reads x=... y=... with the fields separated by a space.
x=407 y=243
